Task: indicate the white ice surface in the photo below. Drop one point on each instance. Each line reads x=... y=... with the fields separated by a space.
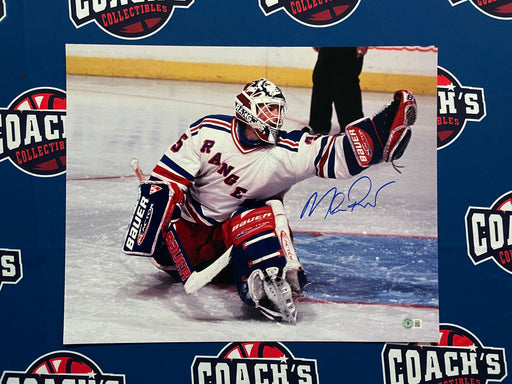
x=114 y=298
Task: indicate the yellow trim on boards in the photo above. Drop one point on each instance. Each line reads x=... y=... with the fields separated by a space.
x=212 y=72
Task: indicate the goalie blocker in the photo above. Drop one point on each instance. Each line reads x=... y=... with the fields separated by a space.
x=154 y=211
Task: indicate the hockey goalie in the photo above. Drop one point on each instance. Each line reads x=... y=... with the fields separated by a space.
x=214 y=201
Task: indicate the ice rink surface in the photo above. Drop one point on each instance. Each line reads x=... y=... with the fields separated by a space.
x=372 y=266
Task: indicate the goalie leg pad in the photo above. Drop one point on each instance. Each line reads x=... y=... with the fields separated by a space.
x=187 y=248
x=259 y=252
x=178 y=254
x=265 y=271
x=155 y=207
x=295 y=274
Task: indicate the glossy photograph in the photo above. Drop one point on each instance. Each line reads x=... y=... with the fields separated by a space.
x=251 y=193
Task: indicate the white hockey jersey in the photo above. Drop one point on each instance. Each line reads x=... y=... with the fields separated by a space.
x=219 y=174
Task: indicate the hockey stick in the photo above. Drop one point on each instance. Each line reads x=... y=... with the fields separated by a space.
x=197 y=279
x=138 y=171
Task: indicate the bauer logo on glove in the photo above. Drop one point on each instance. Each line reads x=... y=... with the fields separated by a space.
x=361 y=143
x=386 y=136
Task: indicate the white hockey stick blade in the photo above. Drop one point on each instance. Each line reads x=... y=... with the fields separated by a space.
x=199 y=279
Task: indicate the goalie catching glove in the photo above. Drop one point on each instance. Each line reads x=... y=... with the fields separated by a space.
x=386 y=136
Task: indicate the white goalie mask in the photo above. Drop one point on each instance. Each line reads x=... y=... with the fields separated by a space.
x=262 y=106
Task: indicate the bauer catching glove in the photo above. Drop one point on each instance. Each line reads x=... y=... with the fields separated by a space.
x=386 y=136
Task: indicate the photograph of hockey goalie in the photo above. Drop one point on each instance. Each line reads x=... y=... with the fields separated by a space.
x=251 y=193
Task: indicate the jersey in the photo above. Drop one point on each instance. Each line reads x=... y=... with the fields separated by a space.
x=219 y=174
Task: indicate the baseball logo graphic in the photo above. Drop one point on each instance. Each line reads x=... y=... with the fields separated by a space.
x=459 y=357
x=61 y=367
x=252 y=363
x=456 y=105
x=125 y=19
x=489 y=233
x=10 y=266
x=498 y=9
x=32 y=132
x=314 y=13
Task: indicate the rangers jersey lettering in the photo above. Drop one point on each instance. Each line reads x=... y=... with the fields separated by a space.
x=220 y=174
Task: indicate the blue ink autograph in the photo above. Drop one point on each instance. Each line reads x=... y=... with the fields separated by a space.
x=339 y=198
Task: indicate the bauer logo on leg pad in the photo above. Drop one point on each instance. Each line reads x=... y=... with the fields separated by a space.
x=177 y=252
x=147 y=220
x=250 y=223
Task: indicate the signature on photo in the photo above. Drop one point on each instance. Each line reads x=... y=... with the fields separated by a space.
x=339 y=201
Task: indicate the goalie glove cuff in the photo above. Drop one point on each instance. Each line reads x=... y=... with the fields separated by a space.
x=364 y=142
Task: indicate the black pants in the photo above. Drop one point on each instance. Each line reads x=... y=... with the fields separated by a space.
x=335 y=81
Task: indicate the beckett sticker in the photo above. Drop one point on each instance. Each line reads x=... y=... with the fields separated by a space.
x=489 y=233
x=458 y=358
x=315 y=13
x=498 y=9
x=456 y=104
x=62 y=367
x=412 y=323
x=10 y=266
x=32 y=132
x=253 y=363
x=125 y=19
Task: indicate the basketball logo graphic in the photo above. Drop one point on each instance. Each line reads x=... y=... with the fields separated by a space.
x=255 y=351
x=254 y=362
x=63 y=363
x=62 y=366
x=314 y=13
x=489 y=233
x=498 y=9
x=457 y=357
x=456 y=104
x=454 y=336
x=10 y=266
x=32 y=132
x=125 y=20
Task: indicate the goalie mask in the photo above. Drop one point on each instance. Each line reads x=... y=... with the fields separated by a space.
x=262 y=106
